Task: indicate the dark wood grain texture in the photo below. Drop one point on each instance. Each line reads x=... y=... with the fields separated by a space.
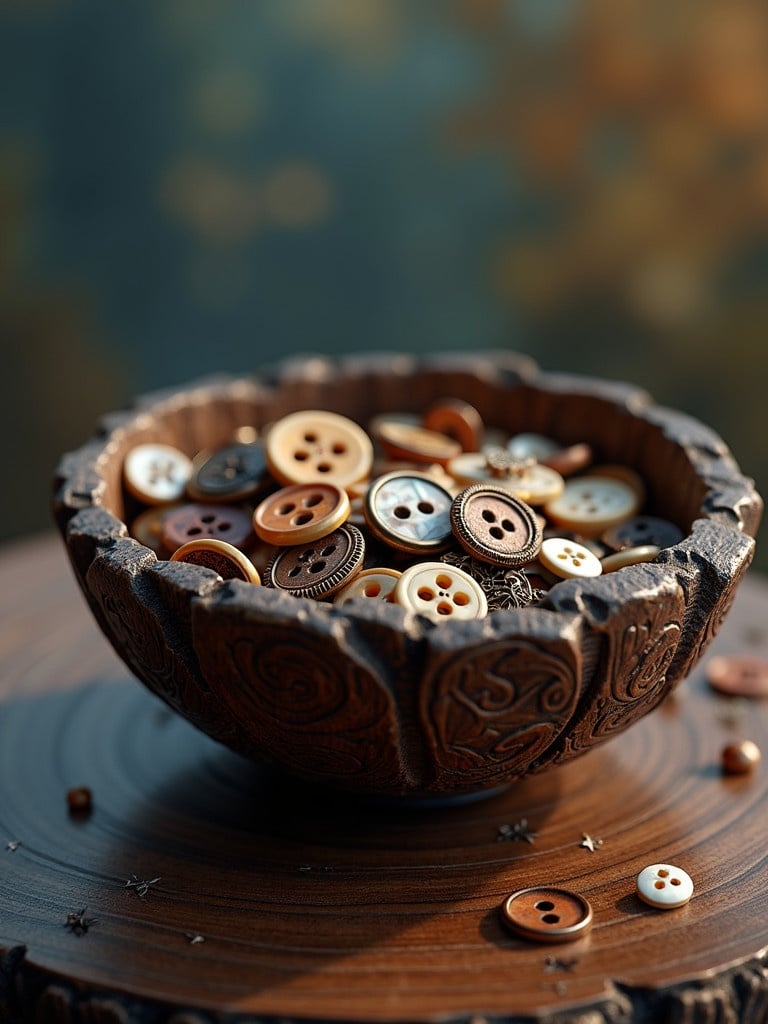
x=372 y=698
x=315 y=906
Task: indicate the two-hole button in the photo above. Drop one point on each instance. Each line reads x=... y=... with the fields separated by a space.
x=547 y=914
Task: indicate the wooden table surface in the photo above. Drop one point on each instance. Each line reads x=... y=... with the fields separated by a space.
x=267 y=899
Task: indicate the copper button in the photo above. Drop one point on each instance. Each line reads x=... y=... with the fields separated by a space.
x=456 y=419
x=547 y=914
x=193 y=522
x=493 y=525
x=301 y=513
x=741 y=675
x=218 y=556
x=319 y=569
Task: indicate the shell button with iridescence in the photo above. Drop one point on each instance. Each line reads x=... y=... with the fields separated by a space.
x=409 y=511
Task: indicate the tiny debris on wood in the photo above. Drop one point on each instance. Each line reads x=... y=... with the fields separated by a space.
x=327 y=868
x=141 y=886
x=518 y=831
x=12 y=845
x=78 y=921
x=555 y=964
x=589 y=843
x=194 y=939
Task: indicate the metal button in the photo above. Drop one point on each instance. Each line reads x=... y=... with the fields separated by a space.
x=319 y=569
x=315 y=445
x=418 y=444
x=439 y=592
x=229 y=474
x=194 y=522
x=547 y=914
x=641 y=530
x=456 y=419
x=301 y=513
x=503 y=586
x=219 y=556
x=664 y=886
x=493 y=525
x=371 y=585
x=409 y=511
x=156 y=473
x=569 y=560
x=741 y=675
x=592 y=504
x=629 y=556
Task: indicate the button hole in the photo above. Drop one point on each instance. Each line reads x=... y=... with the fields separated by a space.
x=425 y=594
x=426 y=507
x=402 y=512
x=317 y=567
x=660 y=885
x=302 y=518
x=544 y=905
x=550 y=918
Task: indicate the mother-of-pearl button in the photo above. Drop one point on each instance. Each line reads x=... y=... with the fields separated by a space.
x=569 y=560
x=664 y=886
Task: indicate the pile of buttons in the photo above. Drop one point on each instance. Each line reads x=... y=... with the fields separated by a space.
x=435 y=513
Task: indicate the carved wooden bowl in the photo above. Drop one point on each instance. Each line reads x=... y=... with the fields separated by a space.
x=375 y=699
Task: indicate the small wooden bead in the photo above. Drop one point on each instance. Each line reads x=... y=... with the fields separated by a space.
x=80 y=800
x=740 y=758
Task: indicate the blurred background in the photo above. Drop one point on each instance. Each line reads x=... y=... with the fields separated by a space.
x=189 y=186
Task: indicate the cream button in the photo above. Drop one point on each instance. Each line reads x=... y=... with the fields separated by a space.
x=569 y=560
x=664 y=886
x=591 y=504
x=537 y=484
x=440 y=592
x=629 y=556
x=370 y=585
x=313 y=445
x=156 y=473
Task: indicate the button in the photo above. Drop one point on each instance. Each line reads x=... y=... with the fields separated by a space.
x=532 y=446
x=301 y=513
x=316 y=445
x=664 y=886
x=440 y=592
x=409 y=511
x=626 y=475
x=493 y=525
x=156 y=473
x=319 y=569
x=592 y=504
x=402 y=441
x=640 y=530
x=223 y=558
x=742 y=675
x=371 y=585
x=629 y=556
x=547 y=914
x=457 y=419
x=221 y=522
x=569 y=560
x=147 y=527
x=537 y=484
x=229 y=474
x=740 y=758
x=570 y=460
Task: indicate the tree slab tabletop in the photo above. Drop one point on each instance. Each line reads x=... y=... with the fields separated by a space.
x=265 y=897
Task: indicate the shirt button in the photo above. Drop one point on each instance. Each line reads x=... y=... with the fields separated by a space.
x=629 y=556
x=156 y=473
x=301 y=513
x=569 y=560
x=318 y=569
x=495 y=526
x=314 y=445
x=371 y=585
x=219 y=556
x=592 y=504
x=641 y=530
x=410 y=512
x=547 y=914
x=439 y=592
x=194 y=522
x=741 y=675
x=229 y=474
x=456 y=419
x=664 y=886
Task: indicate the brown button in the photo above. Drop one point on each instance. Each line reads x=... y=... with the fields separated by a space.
x=493 y=525
x=742 y=675
x=740 y=758
x=193 y=522
x=641 y=530
x=219 y=556
x=301 y=513
x=547 y=914
x=316 y=445
x=229 y=474
x=418 y=444
x=147 y=527
x=410 y=512
x=457 y=419
x=319 y=569
x=570 y=460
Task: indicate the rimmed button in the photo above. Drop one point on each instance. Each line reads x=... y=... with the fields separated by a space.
x=547 y=914
x=319 y=569
x=410 y=512
x=440 y=592
x=741 y=675
x=493 y=525
x=301 y=513
x=198 y=521
x=641 y=530
x=457 y=419
x=376 y=584
x=318 y=445
x=156 y=473
x=569 y=560
x=219 y=556
x=231 y=473
x=592 y=504
x=664 y=886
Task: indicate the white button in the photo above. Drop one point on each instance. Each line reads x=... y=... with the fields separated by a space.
x=441 y=592
x=590 y=504
x=568 y=559
x=156 y=473
x=664 y=886
x=371 y=585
